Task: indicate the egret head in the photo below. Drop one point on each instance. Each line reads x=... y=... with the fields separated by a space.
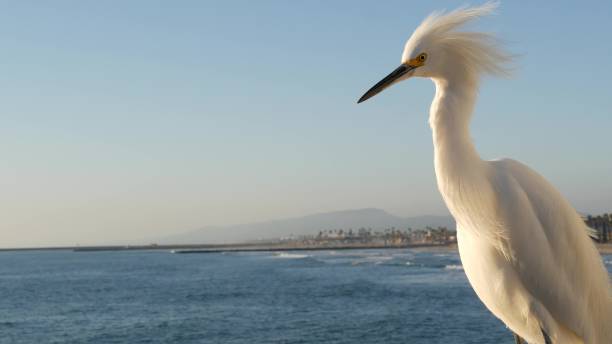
x=438 y=49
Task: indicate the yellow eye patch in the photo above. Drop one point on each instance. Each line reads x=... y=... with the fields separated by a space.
x=417 y=61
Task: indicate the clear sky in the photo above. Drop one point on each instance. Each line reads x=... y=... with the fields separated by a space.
x=124 y=120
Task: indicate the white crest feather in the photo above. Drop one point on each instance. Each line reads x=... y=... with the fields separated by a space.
x=476 y=52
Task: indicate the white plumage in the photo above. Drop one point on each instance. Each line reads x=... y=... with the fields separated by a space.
x=525 y=250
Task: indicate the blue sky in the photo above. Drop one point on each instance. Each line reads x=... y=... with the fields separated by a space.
x=130 y=120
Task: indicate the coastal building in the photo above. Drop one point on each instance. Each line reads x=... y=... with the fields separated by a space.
x=602 y=224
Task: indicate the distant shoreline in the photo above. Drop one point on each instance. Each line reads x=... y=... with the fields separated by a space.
x=604 y=248
x=445 y=247
x=212 y=248
x=257 y=247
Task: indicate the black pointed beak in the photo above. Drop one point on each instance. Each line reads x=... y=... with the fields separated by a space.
x=386 y=82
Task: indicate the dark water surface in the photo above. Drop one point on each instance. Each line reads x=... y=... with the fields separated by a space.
x=379 y=296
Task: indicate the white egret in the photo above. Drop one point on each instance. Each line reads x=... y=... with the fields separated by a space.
x=525 y=250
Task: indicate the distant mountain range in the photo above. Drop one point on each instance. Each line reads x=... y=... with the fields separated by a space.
x=307 y=225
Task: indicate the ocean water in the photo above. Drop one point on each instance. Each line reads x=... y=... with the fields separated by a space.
x=360 y=296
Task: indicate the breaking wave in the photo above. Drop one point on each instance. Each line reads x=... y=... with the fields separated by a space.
x=453 y=267
x=285 y=255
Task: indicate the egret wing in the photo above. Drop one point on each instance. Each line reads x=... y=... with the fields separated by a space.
x=554 y=257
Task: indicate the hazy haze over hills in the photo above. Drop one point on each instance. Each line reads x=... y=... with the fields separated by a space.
x=310 y=224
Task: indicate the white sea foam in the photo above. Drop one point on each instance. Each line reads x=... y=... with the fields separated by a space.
x=453 y=267
x=376 y=260
x=285 y=255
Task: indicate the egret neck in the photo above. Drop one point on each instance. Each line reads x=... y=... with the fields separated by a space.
x=458 y=166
